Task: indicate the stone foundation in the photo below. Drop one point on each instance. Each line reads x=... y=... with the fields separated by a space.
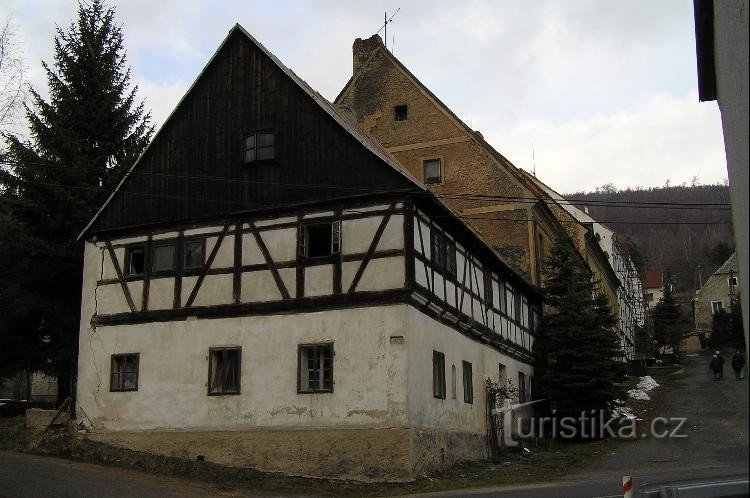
x=363 y=454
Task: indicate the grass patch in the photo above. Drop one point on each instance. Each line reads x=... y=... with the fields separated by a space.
x=551 y=461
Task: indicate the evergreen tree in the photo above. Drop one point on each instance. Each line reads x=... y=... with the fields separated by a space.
x=669 y=324
x=82 y=141
x=578 y=351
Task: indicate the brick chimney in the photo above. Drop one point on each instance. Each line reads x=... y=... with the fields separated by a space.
x=362 y=49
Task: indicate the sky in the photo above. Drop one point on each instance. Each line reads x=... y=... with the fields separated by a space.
x=584 y=92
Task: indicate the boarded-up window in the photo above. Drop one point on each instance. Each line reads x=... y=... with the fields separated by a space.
x=438 y=374
x=315 y=368
x=468 y=383
x=124 y=372
x=224 y=370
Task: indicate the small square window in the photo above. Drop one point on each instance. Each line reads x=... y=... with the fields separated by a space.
x=135 y=260
x=438 y=374
x=259 y=146
x=716 y=307
x=194 y=250
x=224 y=370
x=401 y=112
x=732 y=281
x=318 y=240
x=432 y=171
x=163 y=258
x=315 y=368
x=468 y=383
x=124 y=372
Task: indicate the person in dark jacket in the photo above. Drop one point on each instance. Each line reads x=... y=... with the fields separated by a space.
x=717 y=366
x=738 y=365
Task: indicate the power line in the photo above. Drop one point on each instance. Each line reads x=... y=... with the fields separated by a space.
x=443 y=195
x=464 y=217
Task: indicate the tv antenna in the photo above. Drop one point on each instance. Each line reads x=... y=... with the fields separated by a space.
x=387 y=20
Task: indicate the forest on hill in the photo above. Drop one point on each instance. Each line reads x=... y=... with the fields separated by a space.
x=684 y=229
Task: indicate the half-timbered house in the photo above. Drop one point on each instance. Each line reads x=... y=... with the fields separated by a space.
x=267 y=287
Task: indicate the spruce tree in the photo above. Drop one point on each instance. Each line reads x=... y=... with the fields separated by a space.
x=83 y=138
x=578 y=351
x=669 y=324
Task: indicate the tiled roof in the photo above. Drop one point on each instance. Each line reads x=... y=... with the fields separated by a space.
x=653 y=279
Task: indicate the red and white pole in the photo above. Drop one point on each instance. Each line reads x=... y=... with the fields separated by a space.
x=627 y=486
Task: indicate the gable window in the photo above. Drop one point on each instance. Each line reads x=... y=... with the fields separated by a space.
x=732 y=281
x=468 y=383
x=193 y=254
x=401 y=112
x=315 y=368
x=432 y=171
x=259 y=146
x=716 y=307
x=224 y=370
x=163 y=258
x=438 y=374
x=320 y=239
x=124 y=372
x=521 y=387
x=135 y=260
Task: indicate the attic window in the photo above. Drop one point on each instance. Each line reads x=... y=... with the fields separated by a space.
x=401 y=112
x=259 y=146
x=432 y=171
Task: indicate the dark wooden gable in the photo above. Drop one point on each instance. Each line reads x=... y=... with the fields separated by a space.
x=195 y=168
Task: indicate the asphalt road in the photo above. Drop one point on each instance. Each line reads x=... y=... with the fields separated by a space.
x=716 y=445
x=31 y=476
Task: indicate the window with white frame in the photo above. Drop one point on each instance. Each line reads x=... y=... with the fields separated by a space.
x=315 y=368
x=716 y=307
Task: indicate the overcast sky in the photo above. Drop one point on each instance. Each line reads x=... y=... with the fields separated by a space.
x=605 y=91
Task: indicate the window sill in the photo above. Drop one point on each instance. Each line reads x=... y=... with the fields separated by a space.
x=321 y=391
x=234 y=393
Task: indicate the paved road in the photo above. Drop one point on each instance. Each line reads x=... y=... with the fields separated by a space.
x=717 y=442
x=31 y=476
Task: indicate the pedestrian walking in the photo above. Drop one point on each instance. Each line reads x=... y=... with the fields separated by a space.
x=717 y=366
x=738 y=365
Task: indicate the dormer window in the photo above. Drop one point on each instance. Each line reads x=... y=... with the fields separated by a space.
x=259 y=146
x=401 y=112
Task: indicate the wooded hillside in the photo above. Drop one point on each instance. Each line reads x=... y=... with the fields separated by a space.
x=685 y=229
